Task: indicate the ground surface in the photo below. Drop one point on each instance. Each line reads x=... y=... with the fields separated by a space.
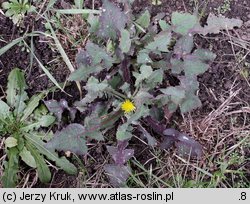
x=221 y=122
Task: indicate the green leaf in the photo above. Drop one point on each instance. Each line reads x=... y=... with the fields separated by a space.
x=98 y=55
x=92 y=60
x=183 y=22
x=4 y=110
x=176 y=93
x=9 y=178
x=6 y=5
x=44 y=121
x=191 y=102
x=141 y=111
x=27 y=157
x=95 y=89
x=109 y=23
x=176 y=66
x=79 y=3
x=71 y=138
x=194 y=67
x=83 y=72
x=44 y=173
x=146 y=71
x=32 y=105
x=93 y=22
x=10 y=45
x=155 y=78
x=216 y=24
x=77 y=11
x=16 y=95
x=164 y=25
x=143 y=57
x=125 y=41
x=144 y=19
x=184 y=45
x=123 y=132
x=61 y=162
x=161 y=42
x=10 y=142
x=204 y=55
x=151 y=140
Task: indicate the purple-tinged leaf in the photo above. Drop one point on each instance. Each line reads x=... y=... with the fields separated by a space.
x=126 y=73
x=167 y=143
x=204 y=55
x=71 y=138
x=55 y=108
x=191 y=147
x=183 y=22
x=119 y=154
x=72 y=111
x=176 y=65
x=112 y=21
x=161 y=42
x=151 y=140
x=216 y=24
x=171 y=132
x=118 y=174
x=184 y=45
x=191 y=102
x=185 y=144
x=155 y=125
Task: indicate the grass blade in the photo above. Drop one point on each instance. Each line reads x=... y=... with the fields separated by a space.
x=64 y=55
x=77 y=11
x=10 y=45
x=45 y=69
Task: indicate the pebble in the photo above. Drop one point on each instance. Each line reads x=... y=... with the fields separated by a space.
x=247 y=24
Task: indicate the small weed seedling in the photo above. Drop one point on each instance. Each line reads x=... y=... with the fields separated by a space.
x=21 y=120
x=17 y=9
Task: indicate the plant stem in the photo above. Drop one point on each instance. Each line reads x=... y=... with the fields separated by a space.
x=116 y=93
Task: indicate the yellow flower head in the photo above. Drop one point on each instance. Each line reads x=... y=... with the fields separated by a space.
x=128 y=106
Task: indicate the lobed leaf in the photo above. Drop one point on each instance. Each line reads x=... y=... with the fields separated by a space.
x=146 y=72
x=183 y=22
x=184 y=45
x=71 y=138
x=216 y=24
x=95 y=89
x=143 y=57
x=185 y=145
x=144 y=19
x=120 y=154
x=109 y=26
x=57 y=108
x=161 y=42
x=151 y=140
x=177 y=93
x=118 y=174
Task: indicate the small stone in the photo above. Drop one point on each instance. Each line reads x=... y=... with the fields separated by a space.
x=247 y=24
